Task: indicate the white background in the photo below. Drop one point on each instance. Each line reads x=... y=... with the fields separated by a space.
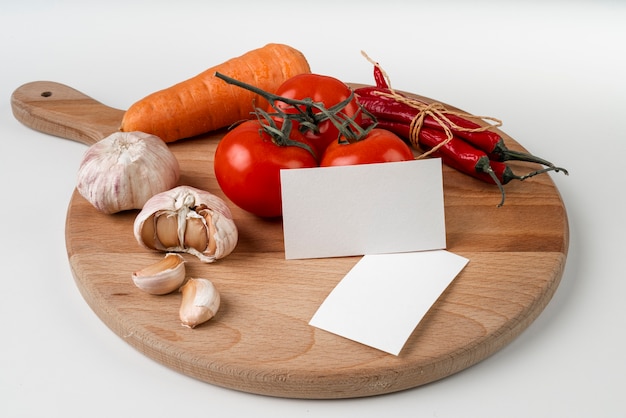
x=553 y=71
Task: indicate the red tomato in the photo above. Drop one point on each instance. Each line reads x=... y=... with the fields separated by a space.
x=247 y=167
x=379 y=146
x=321 y=89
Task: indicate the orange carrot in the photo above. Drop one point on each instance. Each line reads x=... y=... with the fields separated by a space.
x=204 y=103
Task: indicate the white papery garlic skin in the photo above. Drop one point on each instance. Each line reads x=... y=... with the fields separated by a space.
x=201 y=300
x=162 y=277
x=125 y=169
x=187 y=219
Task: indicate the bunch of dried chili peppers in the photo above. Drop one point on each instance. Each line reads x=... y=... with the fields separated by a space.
x=455 y=137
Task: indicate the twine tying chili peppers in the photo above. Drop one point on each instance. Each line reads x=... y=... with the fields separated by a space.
x=435 y=110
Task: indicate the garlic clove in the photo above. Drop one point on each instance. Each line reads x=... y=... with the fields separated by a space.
x=125 y=169
x=162 y=277
x=196 y=234
x=167 y=229
x=201 y=300
x=187 y=219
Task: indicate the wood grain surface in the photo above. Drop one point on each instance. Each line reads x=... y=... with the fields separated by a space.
x=260 y=340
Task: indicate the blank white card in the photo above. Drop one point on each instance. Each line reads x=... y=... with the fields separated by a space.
x=363 y=209
x=384 y=297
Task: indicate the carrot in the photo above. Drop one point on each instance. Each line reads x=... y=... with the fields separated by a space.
x=204 y=103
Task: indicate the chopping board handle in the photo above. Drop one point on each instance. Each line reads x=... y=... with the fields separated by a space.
x=62 y=111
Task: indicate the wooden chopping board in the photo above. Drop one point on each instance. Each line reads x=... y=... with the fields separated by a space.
x=260 y=340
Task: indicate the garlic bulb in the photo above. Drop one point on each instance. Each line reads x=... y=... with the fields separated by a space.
x=125 y=169
x=201 y=300
x=162 y=277
x=186 y=219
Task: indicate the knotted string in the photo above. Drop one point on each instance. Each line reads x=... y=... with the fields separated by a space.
x=435 y=110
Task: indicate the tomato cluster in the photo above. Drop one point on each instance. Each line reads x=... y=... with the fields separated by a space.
x=320 y=132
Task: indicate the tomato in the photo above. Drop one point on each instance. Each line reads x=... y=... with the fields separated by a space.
x=247 y=167
x=378 y=146
x=320 y=89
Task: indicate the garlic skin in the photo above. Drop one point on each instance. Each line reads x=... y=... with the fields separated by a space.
x=201 y=300
x=125 y=169
x=162 y=277
x=187 y=219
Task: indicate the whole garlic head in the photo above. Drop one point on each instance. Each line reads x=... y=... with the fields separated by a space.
x=125 y=169
x=187 y=219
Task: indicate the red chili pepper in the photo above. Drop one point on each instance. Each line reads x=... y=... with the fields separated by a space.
x=389 y=108
x=490 y=142
x=461 y=155
x=379 y=78
x=484 y=170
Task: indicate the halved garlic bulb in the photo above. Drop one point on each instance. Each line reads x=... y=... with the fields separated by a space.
x=162 y=277
x=125 y=169
x=187 y=219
